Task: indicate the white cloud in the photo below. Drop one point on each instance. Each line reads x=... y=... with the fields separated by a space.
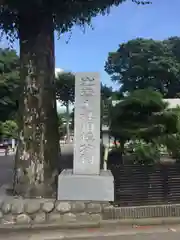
x=58 y=70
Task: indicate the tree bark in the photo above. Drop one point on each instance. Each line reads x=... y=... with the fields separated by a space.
x=38 y=148
x=67 y=122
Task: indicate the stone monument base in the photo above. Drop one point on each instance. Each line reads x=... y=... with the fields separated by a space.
x=74 y=187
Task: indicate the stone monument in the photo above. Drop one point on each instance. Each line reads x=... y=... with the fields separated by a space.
x=86 y=181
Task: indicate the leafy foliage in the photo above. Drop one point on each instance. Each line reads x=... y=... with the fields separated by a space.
x=65 y=92
x=9 y=83
x=72 y=119
x=106 y=92
x=9 y=129
x=65 y=87
x=1 y=130
x=142 y=115
x=107 y=96
x=142 y=63
x=65 y=14
x=144 y=153
x=62 y=128
x=172 y=142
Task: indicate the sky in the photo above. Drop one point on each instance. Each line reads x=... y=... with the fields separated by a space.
x=88 y=51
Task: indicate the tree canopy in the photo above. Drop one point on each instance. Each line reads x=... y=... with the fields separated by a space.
x=9 y=83
x=65 y=14
x=9 y=129
x=142 y=63
x=65 y=87
x=142 y=115
x=106 y=92
x=65 y=92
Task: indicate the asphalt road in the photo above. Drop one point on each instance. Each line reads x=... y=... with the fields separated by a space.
x=158 y=236
x=151 y=233
x=7 y=166
x=6 y=170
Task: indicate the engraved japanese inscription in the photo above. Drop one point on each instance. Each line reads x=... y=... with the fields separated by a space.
x=87 y=124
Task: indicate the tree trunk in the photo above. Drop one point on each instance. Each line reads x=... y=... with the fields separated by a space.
x=38 y=148
x=67 y=122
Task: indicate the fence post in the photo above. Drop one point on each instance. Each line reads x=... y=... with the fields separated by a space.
x=165 y=182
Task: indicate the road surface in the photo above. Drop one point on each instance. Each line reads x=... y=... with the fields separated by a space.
x=6 y=169
x=129 y=233
x=7 y=166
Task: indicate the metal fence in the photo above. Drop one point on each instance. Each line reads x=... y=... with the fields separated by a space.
x=146 y=185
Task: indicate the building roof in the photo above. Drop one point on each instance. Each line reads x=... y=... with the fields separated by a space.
x=173 y=102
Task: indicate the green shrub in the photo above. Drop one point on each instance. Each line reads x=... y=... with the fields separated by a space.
x=143 y=153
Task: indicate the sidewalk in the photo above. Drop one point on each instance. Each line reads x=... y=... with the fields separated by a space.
x=96 y=226
x=93 y=233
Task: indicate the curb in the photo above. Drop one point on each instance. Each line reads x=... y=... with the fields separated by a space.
x=86 y=225
x=141 y=221
x=47 y=226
